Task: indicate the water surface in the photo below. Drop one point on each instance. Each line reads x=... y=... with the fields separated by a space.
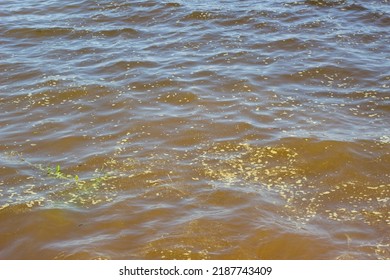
x=194 y=129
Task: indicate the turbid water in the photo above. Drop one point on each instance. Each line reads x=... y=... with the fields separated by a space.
x=194 y=129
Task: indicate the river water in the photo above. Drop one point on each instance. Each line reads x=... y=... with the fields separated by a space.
x=194 y=129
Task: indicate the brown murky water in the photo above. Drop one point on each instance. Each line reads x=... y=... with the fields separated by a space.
x=194 y=129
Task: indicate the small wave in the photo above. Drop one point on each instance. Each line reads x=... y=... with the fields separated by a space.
x=123 y=32
x=158 y=84
x=44 y=32
x=122 y=66
x=200 y=15
x=325 y=3
x=355 y=7
x=173 y=5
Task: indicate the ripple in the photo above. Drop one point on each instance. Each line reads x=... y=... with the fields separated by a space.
x=200 y=15
x=44 y=32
